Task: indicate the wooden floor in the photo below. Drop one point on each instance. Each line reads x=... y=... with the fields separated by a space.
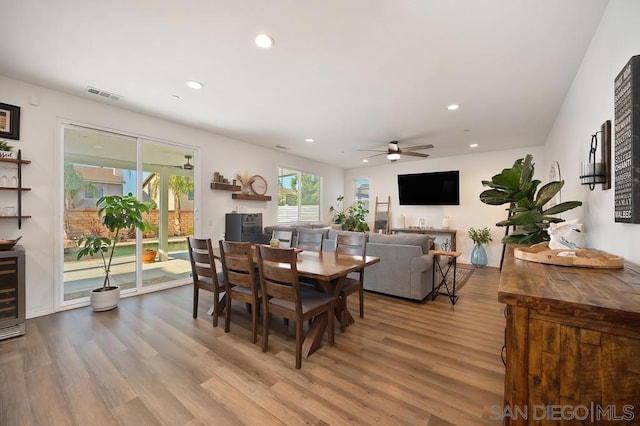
x=148 y=362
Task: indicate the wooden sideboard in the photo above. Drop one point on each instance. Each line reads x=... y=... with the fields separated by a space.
x=572 y=343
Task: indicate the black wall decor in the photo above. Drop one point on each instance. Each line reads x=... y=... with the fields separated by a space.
x=627 y=143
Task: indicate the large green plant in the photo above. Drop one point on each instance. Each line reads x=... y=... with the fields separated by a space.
x=117 y=213
x=352 y=218
x=527 y=212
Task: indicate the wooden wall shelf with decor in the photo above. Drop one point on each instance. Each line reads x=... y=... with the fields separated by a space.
x=14 y=183
x=225 y=186
x=253 y=197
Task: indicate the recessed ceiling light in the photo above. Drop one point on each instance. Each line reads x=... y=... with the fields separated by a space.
x=265 y=41
x=309 y=140
x=175 y=97
x=453 y=107
x=473 y=145
x=195 y=84
x=365 y=160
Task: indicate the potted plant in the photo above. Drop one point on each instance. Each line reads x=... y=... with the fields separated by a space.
x=478 y=254
x=352 y=218
x=527 y=213
x=149 y=255
x=117 y=213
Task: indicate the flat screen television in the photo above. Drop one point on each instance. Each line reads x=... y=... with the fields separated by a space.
x=429 y=189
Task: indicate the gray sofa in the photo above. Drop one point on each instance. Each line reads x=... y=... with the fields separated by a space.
x=405 y=268
x=268 y=231
x=406 y=264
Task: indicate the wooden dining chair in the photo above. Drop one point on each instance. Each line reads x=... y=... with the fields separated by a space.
x=355 y=245
x=283 y=295
x=285 y=238
x=310 y=240
x=203 y=270
x=240 y=276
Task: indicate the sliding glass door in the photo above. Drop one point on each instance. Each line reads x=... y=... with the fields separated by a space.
x=99 y=163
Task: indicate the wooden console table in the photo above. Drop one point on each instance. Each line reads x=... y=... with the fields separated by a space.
x=572 y=339
x=429 y=231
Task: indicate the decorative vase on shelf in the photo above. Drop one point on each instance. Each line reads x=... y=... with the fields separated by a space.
x=478 y=256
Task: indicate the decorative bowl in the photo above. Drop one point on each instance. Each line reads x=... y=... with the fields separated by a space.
x=8 y=244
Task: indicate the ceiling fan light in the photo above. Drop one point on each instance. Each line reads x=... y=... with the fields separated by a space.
x=393 y=156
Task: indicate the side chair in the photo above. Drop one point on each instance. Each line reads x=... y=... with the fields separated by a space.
x=309 y=240
x=355 y=245
x=283 y=295
x=241 y=281
x=203 y=270
x=285 y=238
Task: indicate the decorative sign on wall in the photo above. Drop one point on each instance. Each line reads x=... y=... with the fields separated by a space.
x=627 y=143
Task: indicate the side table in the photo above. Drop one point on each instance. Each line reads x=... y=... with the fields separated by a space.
x=449 y=290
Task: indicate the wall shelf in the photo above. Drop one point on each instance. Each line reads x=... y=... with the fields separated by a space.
x=253 y=197
x=19 y=189
x=225 y=186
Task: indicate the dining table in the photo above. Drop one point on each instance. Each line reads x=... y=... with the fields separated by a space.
x=329 y=270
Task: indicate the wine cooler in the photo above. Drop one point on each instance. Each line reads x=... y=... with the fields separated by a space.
x=12 y=306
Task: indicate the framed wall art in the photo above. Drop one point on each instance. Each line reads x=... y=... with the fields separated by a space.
x=9 y=121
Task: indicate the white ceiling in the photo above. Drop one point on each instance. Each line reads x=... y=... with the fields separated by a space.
x=352 y=74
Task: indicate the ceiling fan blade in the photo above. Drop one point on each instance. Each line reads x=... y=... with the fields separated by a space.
x=370 y=150
x=415 y=154
x=416 y=148
x=376 y=155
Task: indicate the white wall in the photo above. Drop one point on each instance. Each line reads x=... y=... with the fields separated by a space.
x=40 y=142
x=474 y=168
x=587 y=105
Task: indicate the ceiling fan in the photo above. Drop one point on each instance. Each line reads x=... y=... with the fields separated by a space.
x=394 y=152
x=185 y=166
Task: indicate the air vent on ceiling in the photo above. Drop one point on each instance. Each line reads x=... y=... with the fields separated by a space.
x=281 y=147
x=103 y=93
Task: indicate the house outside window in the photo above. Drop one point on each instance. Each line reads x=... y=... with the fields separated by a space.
x=298 y=196
x=93 y=191
x=362 y=192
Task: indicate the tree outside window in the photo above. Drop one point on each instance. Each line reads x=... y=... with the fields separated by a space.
x=298 y=196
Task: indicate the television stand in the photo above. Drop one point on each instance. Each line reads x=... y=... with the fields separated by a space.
x=430 y=231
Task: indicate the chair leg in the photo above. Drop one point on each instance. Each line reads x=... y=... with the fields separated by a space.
x=343 y=321
x=265 y=329
x=227 y=313
x=254 y=322
x=195 y=301
x=330 y=326
x=299 y=325
x=216 y=308
x=361 y=303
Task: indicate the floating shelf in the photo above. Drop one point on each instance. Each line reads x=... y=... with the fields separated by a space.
x=251 y=197
x=225 y=186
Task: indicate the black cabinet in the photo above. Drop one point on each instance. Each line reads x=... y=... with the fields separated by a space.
x=12 y=306
x=245 y=227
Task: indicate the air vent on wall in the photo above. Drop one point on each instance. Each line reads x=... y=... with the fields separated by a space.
x=103 y=93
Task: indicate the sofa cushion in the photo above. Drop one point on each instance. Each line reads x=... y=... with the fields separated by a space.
x=424 y=241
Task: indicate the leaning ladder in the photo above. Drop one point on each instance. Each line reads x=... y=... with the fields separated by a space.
x=381 y=216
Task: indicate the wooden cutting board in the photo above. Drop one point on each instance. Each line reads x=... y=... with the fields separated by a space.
x=586 y=258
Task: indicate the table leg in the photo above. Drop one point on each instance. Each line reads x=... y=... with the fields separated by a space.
x=334 y=289
x=313 y=339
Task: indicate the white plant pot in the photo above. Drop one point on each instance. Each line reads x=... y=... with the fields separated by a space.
x=104 y=300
